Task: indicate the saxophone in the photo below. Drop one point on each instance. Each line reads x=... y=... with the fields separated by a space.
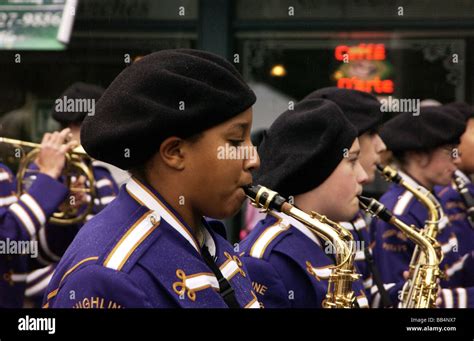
x=340 y=293
x=412 y=293
x=424 y=288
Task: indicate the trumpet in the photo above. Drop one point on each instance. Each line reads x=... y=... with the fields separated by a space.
x=77 y=163
x=340 y=293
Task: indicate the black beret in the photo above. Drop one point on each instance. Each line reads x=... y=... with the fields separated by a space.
x=361 y=108
x=433 y=127
x=77 y=91
x=303 y=147
x=465 y=110
x=257 y=136
x=178 y=92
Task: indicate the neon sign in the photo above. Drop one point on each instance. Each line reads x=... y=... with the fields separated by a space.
x=361 y=51
x=364 y=68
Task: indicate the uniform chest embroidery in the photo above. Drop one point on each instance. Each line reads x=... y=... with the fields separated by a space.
x=190 y=284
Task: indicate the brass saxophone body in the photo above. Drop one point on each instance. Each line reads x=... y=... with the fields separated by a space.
x=340 y=293
x=424 y=289
x=418 y=292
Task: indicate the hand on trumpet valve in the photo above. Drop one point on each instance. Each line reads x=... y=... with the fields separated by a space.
x=52 y=156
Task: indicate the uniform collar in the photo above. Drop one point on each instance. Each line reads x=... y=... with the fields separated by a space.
x=146 y=196
x=297 y=225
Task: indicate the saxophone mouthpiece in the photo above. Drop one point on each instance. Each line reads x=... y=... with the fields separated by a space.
x=389 y=173
x=375 y=208
x=267 y=199
x=251 y=190
x=364 y=202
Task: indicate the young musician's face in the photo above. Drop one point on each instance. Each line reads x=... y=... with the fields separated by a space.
x=220 y=164
x=466 y=149
x=440 y=166
x=371 y=148
x=337 y=196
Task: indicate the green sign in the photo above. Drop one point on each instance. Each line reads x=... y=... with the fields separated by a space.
x=36 y=24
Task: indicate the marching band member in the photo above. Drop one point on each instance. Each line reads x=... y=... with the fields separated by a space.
x=54 y=239
x=310 y=154
x=164 y=118
x=423 y=147
x=455 y=203
x=21 y=218
x=363 y=111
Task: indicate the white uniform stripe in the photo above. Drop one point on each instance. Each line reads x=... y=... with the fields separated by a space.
x=462 y=297
x=131 y=241
x=38 y=287
x=360 y=224
x=7 y=201
x=360 y=255
x=387 y=286
x=230 y=269
x=322 y=273
x=348 y=226
x=456 y=266
x=24 y=218
x=368 y=283
x=138 y=192
x=376 y=300
x=45 y=247
x=443 y=222
x=38 y=273
x=19 y=277
x=258 y=248
x=4 y=176
x=32 y=204
x=447 y=298
x=104 y=200
x=107 y=200
x=402 y=203
x=363 y=302
x=201 y=281
x=102 y=183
